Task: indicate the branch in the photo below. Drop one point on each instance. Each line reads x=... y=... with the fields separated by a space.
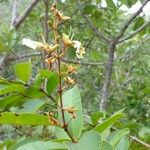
x=95 y=30
x=125 y=83
x=25 y=14
x=139 y=141
x=83 y=63
x=46 y=20
x=135 y=32
x=64 y=60
x=107 y=76
x=14 y=13
x=28 y=56
x=89 y=41
x=126 y=25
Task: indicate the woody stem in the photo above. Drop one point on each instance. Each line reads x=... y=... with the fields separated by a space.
x=60 y=90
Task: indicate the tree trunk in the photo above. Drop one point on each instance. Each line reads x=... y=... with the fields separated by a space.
x=107 y=76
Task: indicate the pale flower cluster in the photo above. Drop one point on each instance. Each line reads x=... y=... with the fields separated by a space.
x=80 y=51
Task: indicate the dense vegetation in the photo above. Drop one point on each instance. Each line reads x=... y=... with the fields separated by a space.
x=84 y=85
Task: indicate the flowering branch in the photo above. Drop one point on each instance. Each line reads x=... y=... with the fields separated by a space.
x=54 y=53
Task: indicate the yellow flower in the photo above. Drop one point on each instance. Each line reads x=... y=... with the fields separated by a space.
x=70 y=81
x=71 y=68
x=32 y=44
x=51 y=48
x=71 y=110
x=50 y=60
x=80 y=51
x=66 y=40
x=61 y=16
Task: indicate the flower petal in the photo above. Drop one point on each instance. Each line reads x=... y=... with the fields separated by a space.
x=31 y=44
x=76 y=44
x=66 y=40
x=80 y=52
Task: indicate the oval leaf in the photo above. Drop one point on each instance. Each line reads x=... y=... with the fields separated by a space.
x=116 y=136
x=8 y=88
x=106 y=146
x=23 y=71
x=41 y=145
x=23 y=119
x=72 y=98
x=96 y=116
x=109 y=122
x=52 y=83
x=123 y=144
x=89 y=141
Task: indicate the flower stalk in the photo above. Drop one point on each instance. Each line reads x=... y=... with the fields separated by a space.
x=54 y=54
x=60 y=89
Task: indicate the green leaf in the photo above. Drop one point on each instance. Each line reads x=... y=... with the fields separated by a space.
x=109 y=122
x=31 y=106
x=98 y=1
x=41 y=145
x=123 y=144
x=105 y=134
x=116 y=136
x=144 y=133
x=71 y=98
x=8 y=88
x=6 y=144
x=34 y=92
x=23 y=119
x=128 y=3
x=106 y=146
x=146 y=90
x=45 y=73
x=3 y=47
x=38 y=80
x=88 y=9
x=89 y=140
x=138 y=23
x=110 y=4
x=10 y=101
x=23 y=71
x=52 y=83
x=96 y=116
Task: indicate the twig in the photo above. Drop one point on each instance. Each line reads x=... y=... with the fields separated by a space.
x=46 y=20
x=125 y=83
x=46 y=31
x=28 y=56
x=64 y=60
x=127 y=23
x=135 y=32
x=89 y=42
x=95 y=30
x=25 y=14
x=60 y=88
x=14 y=13
x=83 y=63
x=139 y=141
x=28 y=85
